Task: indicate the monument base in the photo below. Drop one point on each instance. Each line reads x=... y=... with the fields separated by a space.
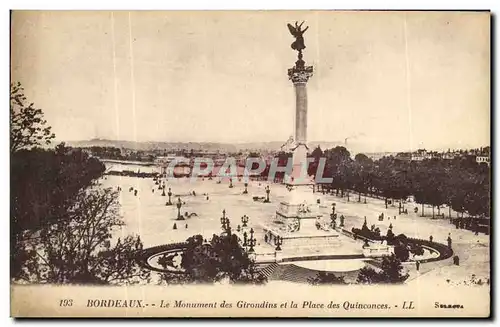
x=302 y=241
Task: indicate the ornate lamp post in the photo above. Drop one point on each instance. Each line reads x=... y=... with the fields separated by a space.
x=251 y=241
x=333 y=216
x=245 y=238
x=169 y=202
x=179 y=205
x=245 y=191
x=278 y=241
x=224 y=221
x=268 y=190
x=244 y=220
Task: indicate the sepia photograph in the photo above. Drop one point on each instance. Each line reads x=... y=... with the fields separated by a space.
x=250 y=163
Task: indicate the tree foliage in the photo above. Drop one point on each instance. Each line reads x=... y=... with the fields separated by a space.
x=78 y=249
x=391 y=272
x=461 y=183
x=27 y=125
x=325 y=278
x=221 y=258
x=61 y=218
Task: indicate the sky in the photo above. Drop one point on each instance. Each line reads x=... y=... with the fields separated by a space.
x=391 y=81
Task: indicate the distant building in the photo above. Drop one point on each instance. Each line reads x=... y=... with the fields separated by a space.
x=419 y=155
x=449 y=155
x=379 y=155
x=481 y=159
x=405 y=156
x=164 y=161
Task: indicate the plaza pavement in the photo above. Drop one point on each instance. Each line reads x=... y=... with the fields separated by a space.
x=146 y=215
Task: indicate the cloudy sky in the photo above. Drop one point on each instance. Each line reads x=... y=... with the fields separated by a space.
x=391 y=81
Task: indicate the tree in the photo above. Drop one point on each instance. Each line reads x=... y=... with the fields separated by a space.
x=45 y=182
x=368 y=275
x=401 y=251
x=324 y=278
x=27 y=126
x=61 y=219
x=220 y=258
x=361 y=176
x=389 y=236
x=363 y=159
x=77 y=248
x=391 y=272
x=316 y=154
x=43 y=187
x=416 y=249
x=339 y=166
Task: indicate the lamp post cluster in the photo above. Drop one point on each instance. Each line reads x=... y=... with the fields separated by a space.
x=244 y=220
x=178 y=204
x=250 y=242
x=225 y=223
x=278 y=241
x=333 y=217
x=169 y=202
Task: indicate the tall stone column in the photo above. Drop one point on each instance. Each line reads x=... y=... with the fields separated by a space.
x=299 y=75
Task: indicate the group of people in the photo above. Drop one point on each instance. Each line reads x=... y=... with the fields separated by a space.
x=131 y=189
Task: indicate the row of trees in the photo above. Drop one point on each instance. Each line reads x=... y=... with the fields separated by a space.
x=61 y=218
x=461 y=183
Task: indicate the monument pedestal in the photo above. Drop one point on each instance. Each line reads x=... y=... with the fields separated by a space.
x=298 y=224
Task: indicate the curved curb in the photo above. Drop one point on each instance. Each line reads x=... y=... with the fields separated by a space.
x=444 y=251
x=143 y=256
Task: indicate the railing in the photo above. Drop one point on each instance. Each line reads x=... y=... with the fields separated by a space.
x=323 y=257
x=444 y=252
